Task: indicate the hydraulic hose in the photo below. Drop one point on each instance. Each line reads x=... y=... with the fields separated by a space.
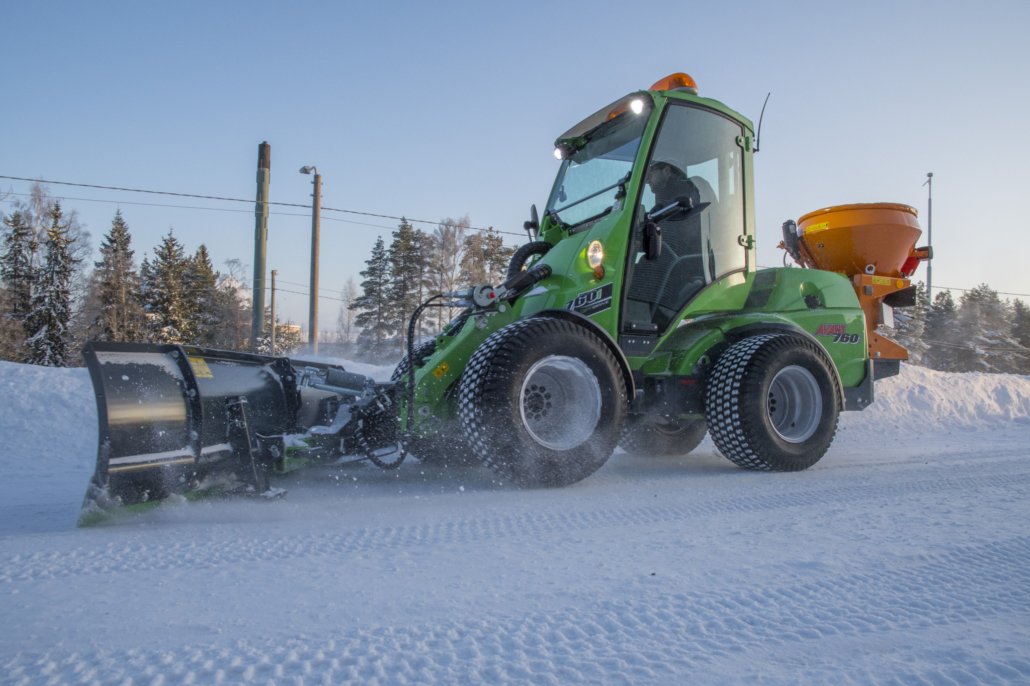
x=412 y=323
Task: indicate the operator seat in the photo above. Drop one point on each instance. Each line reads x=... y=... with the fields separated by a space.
x=659 y=288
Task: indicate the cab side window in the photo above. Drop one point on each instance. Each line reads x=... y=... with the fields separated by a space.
x=696 y=159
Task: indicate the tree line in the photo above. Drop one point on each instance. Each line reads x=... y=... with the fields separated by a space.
x=980 y=332
x=52 y=302
x=416 y=266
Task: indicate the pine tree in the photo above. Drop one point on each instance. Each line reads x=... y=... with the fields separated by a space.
x=1021 y=330
x=407 y=270
x=909 y=324
x=373 y=307
x=164 y=293
x=116 y=285
x=47 y=323
x=16 y=270
x=201 y=295
x=940 y=333
x=986 y=325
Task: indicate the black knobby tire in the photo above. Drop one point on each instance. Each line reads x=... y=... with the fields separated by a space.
x=501 y=406
x=749 y=416
x=644 y=436
x=522 y=255
x=447 y=446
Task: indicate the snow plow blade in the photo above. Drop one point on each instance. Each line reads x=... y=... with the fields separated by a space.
x=181 y=421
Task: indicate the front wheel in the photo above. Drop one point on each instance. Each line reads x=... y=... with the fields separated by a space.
x=773 y=403
x=542 y=402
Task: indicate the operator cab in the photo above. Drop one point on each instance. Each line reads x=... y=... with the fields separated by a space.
x=694 y=158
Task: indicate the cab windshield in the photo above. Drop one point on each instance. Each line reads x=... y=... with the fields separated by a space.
x=604 y=156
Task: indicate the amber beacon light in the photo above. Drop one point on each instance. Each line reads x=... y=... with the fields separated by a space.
x=676 y=82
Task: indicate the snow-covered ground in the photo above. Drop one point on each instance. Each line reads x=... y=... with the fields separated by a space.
x=902 y=557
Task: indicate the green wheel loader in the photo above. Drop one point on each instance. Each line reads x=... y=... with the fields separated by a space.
x=635 y=316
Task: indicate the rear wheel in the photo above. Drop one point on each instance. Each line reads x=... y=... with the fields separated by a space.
x=773 y=403
x=647 y=436
x=542 y=402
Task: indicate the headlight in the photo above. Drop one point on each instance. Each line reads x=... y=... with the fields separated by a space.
x=557 y=153
x=595 y=253
x=637 y=106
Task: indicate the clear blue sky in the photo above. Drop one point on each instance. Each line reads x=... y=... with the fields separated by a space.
x=434 y=110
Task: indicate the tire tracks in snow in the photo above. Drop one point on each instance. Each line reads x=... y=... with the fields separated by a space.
x=654 y=637
x=215 y=551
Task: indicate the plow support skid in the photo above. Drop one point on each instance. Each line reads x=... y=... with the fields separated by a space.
x=172 y=417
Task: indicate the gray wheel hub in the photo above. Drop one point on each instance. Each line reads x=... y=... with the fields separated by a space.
x=560 y=402
x=795 y=404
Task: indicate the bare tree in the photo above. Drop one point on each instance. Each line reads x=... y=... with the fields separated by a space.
x=345 y=318
x=232 y=308
x=446 y=246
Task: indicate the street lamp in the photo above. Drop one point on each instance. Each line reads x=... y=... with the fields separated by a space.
x=316 y=211
x=929 y=235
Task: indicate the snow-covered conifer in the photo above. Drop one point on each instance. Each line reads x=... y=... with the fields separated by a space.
x=116 y=288
x=1021 y=330
x=164 y=293
x=200 y=296
x=373 y=307
x=16 y=270
x=47 y=323
x=985 y=322
x=940 y=333
x=909 y=323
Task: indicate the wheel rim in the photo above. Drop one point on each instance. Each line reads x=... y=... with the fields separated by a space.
x=560 y=402
x=795 y=404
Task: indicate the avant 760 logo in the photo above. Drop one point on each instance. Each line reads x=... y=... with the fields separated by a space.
x=838 y=332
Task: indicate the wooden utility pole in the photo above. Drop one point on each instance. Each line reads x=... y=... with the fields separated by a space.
x=272 y=324
x=257 y=325
x=316 y=210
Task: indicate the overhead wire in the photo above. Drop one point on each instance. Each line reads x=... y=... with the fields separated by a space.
x=266 y=202
x=284 y=290
x=293 y=283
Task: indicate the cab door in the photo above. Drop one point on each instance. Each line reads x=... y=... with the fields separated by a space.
x=695 y=157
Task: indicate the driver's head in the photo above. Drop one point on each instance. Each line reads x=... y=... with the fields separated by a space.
x=669 y=182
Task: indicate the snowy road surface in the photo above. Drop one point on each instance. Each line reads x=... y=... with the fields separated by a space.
x=902 y=557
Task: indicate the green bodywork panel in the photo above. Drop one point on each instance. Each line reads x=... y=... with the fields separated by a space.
x=771 y=297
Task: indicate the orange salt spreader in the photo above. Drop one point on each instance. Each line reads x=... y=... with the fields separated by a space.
x=873 y=245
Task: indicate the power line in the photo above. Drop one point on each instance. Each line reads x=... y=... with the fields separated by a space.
x=973 y=347
x=283 y=290
x=216 y=197
x=949 y=288
x=212 y=209
x=303 y=284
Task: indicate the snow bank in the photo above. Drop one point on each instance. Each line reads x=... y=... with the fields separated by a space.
x=48 y=418
x=925 y=400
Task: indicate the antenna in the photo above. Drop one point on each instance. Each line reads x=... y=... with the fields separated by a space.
x=758 y=136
